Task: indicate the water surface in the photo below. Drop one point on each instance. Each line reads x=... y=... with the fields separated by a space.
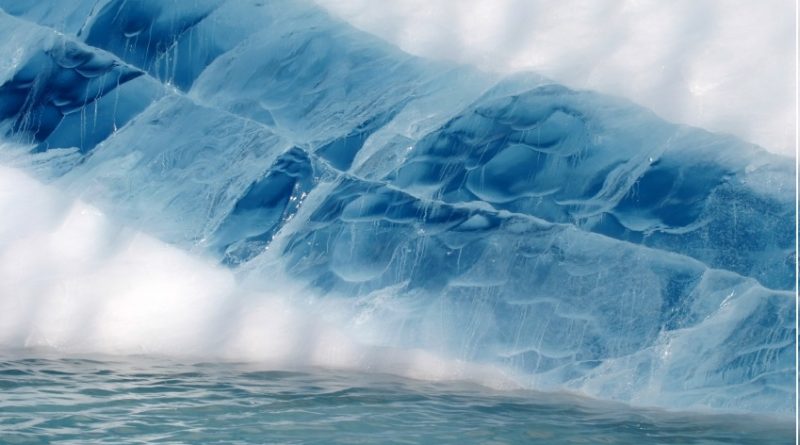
x=147 y=400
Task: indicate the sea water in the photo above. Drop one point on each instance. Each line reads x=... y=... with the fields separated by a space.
x=146 y=400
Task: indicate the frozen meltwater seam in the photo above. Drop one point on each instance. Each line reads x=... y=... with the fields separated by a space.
x=515 y=223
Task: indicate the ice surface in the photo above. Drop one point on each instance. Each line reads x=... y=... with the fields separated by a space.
x=573 y=239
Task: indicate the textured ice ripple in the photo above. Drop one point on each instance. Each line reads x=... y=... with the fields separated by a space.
x=565 y=234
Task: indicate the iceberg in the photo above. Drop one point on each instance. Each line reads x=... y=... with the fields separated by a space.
x=576 y=240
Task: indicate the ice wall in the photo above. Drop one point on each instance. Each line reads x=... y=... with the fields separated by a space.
x=574 y=240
